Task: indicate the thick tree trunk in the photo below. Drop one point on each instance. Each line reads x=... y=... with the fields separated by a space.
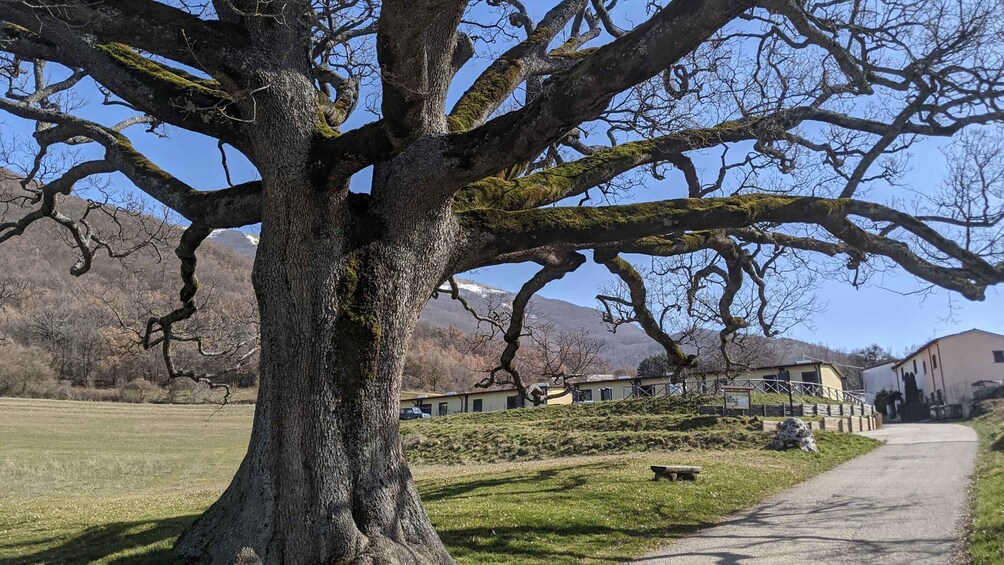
x=340 y=289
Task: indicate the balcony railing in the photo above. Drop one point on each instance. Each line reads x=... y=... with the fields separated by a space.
x=767 y=386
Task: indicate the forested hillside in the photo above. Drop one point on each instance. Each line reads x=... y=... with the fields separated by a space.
x=59 y=330
x=60 y=333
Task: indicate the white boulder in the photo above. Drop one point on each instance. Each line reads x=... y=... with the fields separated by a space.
x=794 y=433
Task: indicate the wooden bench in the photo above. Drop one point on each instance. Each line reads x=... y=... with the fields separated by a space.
x=675 y=472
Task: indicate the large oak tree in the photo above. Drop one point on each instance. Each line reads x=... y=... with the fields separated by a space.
x=770 y=122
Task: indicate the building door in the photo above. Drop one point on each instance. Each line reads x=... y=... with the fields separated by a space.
x=444 y=408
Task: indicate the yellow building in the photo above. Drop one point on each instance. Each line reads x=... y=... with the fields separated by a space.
x=474 y=401
x=811 y=379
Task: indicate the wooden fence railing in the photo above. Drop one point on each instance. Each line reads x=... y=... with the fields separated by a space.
x=767 y=386
x=782 y=410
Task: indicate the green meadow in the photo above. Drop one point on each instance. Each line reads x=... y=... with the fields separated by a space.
x=84 y=482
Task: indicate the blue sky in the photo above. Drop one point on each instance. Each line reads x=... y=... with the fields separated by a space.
x=886 y=311
x=882 y=312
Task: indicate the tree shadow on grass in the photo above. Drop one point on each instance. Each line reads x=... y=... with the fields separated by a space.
x=99 y=542
x=538 y=541
x=518 y=544
x=462 y=489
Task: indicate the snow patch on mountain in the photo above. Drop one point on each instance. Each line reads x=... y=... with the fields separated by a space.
x=243 y=243
x=218 y=233
x=479 y=289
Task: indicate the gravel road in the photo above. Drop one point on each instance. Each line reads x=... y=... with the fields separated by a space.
x=904 y=502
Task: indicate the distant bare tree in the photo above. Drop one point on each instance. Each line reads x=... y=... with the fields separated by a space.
x=523 y=351
x=439 y=359
x=222 y=345
x=742 y=287
x=73 y=339
x=10 y=290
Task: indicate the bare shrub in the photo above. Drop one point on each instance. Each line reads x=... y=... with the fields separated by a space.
x=139 y=390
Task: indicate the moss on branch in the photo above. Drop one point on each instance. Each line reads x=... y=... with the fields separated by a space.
x=587 y=227
x=175 y=80
x=663 y=246
x=575 y=177
x=569 y=52
x=498 y=82
x=597 y=225
x=556 y=183
x=487 y=93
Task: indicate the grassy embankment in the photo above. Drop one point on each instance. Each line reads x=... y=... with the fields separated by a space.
x=651 y=424
x=116 y=483
x=986 y=539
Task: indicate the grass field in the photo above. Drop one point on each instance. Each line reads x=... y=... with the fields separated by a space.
x=116 y=483
x=986 y=540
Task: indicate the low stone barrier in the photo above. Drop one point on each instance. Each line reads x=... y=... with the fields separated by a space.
x=843 y=424
x=832 y=411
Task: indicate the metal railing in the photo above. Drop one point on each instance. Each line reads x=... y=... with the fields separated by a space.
x=767 y=386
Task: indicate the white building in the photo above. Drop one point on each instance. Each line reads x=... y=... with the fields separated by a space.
x=878 y=378
x=946 y=368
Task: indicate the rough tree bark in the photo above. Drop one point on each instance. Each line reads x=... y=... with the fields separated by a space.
x=325 y=480
x=341 y=281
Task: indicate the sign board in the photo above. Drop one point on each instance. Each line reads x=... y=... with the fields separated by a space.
x=737 y=398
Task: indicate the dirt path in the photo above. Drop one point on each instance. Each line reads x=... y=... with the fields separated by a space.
x=904 y=503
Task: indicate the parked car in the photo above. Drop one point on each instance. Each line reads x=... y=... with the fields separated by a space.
x=413 y=413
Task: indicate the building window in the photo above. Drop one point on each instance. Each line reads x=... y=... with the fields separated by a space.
x=915 y=366
x=998 y=356
x=427 y=408
x=478 y=404
x=586 y=395
x=513 y=402
x=810 y=377
x=924 y=364
x=606 y=393
x=934 y=361
x=444 y=408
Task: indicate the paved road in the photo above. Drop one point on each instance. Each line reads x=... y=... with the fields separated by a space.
x=903 y=503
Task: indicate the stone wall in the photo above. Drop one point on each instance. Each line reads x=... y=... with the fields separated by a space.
x=843 y=424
